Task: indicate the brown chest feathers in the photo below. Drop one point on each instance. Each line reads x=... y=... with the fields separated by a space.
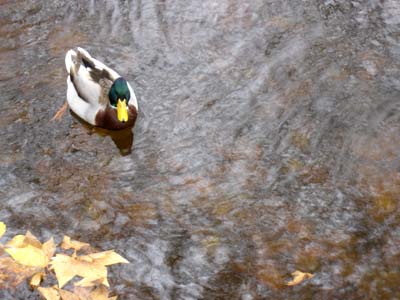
x=108 y=118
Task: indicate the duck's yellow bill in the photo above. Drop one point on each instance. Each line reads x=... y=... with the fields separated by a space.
x=122 y=111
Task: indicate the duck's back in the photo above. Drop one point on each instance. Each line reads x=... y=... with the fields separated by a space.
x=91 y=78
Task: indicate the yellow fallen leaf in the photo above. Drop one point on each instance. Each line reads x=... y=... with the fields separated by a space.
x=67 y=295
x=49 y=248
x=17 y=241
x=105 y=258
x=30 y=239
x=100 y=293
x=89 y=282
x=299 y=277
x=82 y=292
x=13 y=273
x=90 y=293
x=61 y=265
x=67 y=243
x=36 y=280
x=27 y=250
x=2 y=228
x=67 y=267
x=29 y=256
x=50 y=293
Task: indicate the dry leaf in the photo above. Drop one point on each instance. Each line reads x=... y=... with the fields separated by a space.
x=36 y=280
x=2 y=228
x=30 y=239
x=61 y=265
x=89 y=282
x=12 y=273
x=67 y=295
x=82 y=292
x=49 y=248
x=98 y=293
x=29 y=256
x=91 y=267
x=50 y=293
x=27 y=250
x=67 y=267
x=17 y=241
x=105 y=258
x=299 y=277
x=67 y=243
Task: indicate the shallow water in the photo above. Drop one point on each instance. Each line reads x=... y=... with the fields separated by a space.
x=267 y=142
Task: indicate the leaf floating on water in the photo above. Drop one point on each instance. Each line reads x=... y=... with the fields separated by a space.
x=90 y=293
x=3 y=228
x=61 y=264
x=36 y=280
x=67 y=267
x=105 y=258
x=50 y=293
x=13 y=273
x=49 y=248
x=299 y=277
x=29 y=251
x=67 y=243
x=90 y=282
x=29 y=256
x=101 y=293
x=67 y=295
x=17 y=241
x=30 y=239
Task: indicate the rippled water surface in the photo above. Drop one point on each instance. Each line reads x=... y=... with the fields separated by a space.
x=267 y=142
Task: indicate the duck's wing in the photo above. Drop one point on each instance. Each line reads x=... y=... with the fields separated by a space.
x=133 y=100
x=81 y=107
x=90 y=77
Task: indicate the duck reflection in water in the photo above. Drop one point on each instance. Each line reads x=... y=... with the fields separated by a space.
x=123 y=139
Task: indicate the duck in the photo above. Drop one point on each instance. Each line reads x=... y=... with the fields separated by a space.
x=97 y=94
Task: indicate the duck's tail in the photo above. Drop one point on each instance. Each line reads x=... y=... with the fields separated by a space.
x=69 y=60
x=77 y=57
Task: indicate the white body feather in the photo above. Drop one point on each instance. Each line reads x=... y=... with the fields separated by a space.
x=88 y=107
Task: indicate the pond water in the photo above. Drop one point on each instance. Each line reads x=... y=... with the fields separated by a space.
x=267 y=142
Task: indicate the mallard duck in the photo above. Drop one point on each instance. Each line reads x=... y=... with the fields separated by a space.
x=98 y=94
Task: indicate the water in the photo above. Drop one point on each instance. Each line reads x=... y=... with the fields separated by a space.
x=267 y=142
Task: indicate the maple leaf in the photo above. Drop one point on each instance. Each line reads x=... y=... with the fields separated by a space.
x=49 y=293
x=49 y=248
x=36 y=280
x=79 y=293
x=67 y=243
x=98 y=293
x=2 y=228
x=13 y=273
x=29 y=256
x=91 y=267
x=29 y=251
x=67 y=267
x=67 y=295
x=105 y=258
x=299 y=277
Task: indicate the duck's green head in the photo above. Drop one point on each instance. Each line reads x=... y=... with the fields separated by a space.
x=119 y=97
